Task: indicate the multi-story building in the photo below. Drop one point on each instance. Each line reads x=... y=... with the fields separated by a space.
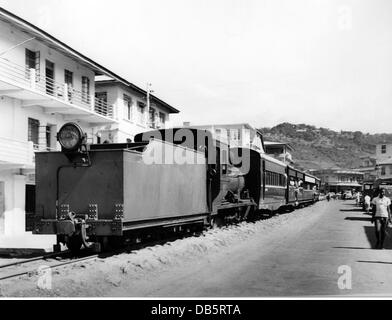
x=384 y=160
x=279 y=150
x=368 y=168
x=235 y=135
x=136 y=112
x=43 y=84
x=338 y=180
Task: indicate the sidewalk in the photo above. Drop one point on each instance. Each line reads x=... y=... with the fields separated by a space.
x=26 y=243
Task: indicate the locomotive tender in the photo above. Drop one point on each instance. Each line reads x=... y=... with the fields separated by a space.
x=167 y=178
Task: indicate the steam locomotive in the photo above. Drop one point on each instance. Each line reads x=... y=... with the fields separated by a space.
x=167 y=179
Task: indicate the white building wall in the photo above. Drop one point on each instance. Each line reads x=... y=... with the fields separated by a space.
x=14 y=123
x=380 y=157
x=14 y=126
x=384 y=161
x=14 y=117
x=126 y=128
x=11 y=36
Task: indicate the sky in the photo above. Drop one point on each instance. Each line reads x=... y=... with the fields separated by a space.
x=326 y=63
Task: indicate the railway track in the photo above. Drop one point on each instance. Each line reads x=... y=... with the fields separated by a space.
x=31 y=266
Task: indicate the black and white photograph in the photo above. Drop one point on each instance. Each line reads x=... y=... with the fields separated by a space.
x=193 y=149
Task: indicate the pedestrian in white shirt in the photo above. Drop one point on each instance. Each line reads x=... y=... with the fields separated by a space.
x=381 y=216
x=358 y=198
x=367 y=199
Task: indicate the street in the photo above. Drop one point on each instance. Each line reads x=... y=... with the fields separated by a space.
x=302 y=253
x=296 y=260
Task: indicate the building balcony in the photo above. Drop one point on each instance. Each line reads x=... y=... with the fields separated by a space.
x=156 y=125
x=19 y=154
x=16 y=154
x=55 y=97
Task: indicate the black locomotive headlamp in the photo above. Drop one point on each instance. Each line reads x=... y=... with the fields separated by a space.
x=70 y=137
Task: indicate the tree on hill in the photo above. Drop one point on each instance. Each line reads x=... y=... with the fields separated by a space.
x=323 y=147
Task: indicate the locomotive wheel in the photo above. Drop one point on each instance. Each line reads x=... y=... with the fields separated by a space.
x=216 y=222
x=115 y=242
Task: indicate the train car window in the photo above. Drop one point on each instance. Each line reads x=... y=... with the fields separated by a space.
x=282 y=180
x=268 y=178
x=276 y=179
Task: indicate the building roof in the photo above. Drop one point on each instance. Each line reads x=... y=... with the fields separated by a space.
x=384 y=162
x=139 y=90
x=52 y=42
x=348 y=172
x=272 y=144
x=336 y=171
x=229 y=125
x=368 y=157
x=345 y=184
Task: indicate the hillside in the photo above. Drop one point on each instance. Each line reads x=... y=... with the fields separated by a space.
x=320 y=148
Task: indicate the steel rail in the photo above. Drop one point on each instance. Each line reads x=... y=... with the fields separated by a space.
x=34 y=271
x=43 y=257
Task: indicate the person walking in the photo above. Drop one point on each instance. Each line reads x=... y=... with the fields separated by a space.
x=358 y=198
x=366 y=200
x=381 y=217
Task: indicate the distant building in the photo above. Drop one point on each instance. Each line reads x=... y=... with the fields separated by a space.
x=368 y=168
x=236 y=135
x=338 y=180
x=384 y=160
x=279 y=150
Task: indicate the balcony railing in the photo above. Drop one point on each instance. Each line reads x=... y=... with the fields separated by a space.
x=30 y=79
x=156 y=125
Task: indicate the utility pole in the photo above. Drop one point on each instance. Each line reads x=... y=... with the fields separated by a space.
x=149 y=91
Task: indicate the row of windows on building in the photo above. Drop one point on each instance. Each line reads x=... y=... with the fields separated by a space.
x=340 y=179
x=154 y=116
x=233 y=134
x=384 y=170
x=33 y=61
x=34 y=131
